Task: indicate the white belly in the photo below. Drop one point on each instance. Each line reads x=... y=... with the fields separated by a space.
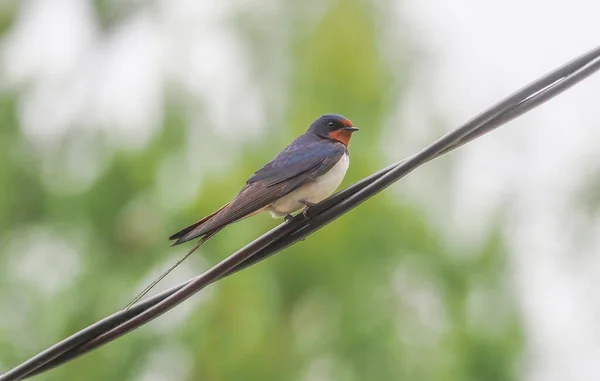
x=313 y=192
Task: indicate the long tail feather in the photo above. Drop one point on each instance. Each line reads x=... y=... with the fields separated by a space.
x=155 y=282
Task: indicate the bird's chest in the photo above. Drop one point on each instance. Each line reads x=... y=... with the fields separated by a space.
x=313 y=192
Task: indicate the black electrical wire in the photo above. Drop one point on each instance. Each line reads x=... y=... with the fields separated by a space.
x=317 y=216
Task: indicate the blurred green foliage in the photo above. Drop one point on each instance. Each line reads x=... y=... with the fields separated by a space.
x=377 y=295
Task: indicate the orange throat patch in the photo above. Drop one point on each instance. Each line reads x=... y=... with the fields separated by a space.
x=342 y=136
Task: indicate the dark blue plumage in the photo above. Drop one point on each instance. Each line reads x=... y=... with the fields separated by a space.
x=308 y=170
x=306 y=153
x=303 y=161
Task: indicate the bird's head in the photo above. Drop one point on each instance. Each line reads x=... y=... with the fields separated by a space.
x=334 y=127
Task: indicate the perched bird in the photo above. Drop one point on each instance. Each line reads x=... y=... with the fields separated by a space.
x=307 y=171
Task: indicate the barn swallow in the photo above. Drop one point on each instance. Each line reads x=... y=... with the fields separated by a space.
x=306 y=172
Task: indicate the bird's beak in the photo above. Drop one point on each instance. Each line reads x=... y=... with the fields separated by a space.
x=351 y=129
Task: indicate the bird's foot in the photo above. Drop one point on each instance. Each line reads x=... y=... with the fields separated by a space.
x=308 y=204
x=288 y=218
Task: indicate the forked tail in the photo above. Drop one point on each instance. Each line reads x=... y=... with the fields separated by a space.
x=184 y=234
x=155 y=282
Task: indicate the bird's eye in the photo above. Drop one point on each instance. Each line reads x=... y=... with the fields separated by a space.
x=330 y=124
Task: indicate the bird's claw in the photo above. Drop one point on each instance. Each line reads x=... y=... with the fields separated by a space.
x=308 y=204
x=288 y=218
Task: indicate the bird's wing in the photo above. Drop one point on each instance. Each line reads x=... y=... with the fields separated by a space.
x=188 y=229
x=311 y=159
x=288 y=171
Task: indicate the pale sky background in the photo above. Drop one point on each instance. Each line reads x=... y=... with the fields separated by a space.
x=473 y=53
x=481 y=51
